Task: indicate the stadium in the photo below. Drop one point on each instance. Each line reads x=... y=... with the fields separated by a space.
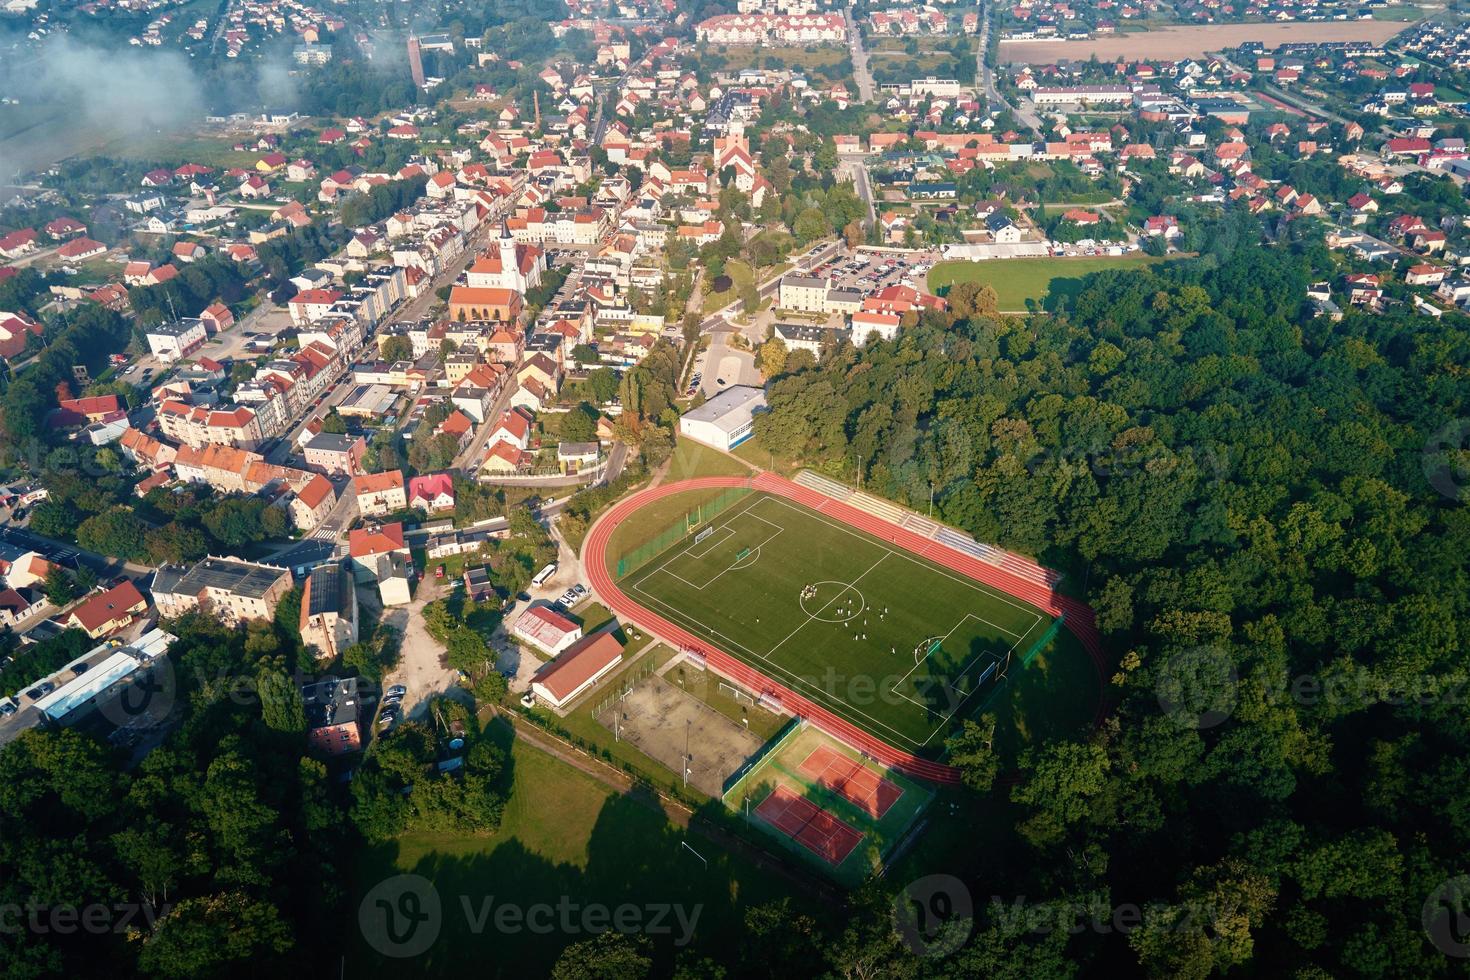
x=883 y=631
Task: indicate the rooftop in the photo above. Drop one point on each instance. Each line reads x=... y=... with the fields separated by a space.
x=729 y=409
x=242 y=578
x=324 y=590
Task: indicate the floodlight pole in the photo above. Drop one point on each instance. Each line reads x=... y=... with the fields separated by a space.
x=686 y=753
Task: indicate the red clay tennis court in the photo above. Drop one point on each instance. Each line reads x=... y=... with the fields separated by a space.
x=861 y=785
x=809 y=825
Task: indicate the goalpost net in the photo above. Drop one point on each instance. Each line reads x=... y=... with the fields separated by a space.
x=694 y=521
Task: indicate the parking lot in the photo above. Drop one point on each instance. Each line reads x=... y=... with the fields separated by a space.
x=868 y=271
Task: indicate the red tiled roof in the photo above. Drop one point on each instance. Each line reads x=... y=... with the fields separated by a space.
x=317 y=489
x=365 y=542
x=105 y=607
x=578 y=663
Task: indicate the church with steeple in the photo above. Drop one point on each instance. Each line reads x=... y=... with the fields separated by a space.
x=509 y=266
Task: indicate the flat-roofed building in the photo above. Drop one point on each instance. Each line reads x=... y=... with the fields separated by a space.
x=230 y=588
x=92 y=688
x=726 y=420
x=176 y=340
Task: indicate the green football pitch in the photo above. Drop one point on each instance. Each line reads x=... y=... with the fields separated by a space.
x=893 y=643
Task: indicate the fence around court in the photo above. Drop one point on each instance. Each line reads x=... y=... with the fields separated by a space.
x=766 y=751
x=625 y=684
x=693 y=520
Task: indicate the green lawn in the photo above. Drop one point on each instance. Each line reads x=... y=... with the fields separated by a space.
x=886 y=639
x=217 y=152
x=1046 y=280
x=564 y=838
x=659 y=517
x=1406 y=13
x=741 y=275
x=692 y=459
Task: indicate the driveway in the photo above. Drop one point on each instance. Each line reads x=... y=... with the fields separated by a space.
x=728 y=364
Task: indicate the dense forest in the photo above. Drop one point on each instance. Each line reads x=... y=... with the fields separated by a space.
x=1267 y=511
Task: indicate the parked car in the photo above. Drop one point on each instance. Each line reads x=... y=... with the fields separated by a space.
x=396 y=691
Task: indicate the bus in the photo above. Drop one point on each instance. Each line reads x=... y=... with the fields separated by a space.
x=544 y=574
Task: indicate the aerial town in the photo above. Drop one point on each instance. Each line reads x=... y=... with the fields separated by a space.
x=411 y=412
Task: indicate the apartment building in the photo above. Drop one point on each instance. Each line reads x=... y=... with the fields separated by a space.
x=231 y=589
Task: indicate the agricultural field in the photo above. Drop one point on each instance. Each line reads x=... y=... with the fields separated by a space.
x=1194 y=41
x=821 y=63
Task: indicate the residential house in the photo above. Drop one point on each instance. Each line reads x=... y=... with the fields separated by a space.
x=104 y=613
x=380 y=494
x=231 y=589
x=433 y=493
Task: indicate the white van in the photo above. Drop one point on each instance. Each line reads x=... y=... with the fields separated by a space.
x=544 y=574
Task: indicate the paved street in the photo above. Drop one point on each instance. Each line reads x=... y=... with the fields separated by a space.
x=986 y=74
x=867 y=91
x=856 y=168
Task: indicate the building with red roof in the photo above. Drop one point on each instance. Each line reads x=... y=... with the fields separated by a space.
x=577 y=668
x=366 y=544
x=433 y=493
x=546 y=629
x=107 y=612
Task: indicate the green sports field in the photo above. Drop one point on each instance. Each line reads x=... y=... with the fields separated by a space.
x=893 y=643
x=1017 y=280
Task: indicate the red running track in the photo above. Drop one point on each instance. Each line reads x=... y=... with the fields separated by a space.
x=1079 y=616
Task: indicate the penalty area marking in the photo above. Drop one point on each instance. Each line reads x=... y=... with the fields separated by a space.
x=849 y=712
x=752 y=556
